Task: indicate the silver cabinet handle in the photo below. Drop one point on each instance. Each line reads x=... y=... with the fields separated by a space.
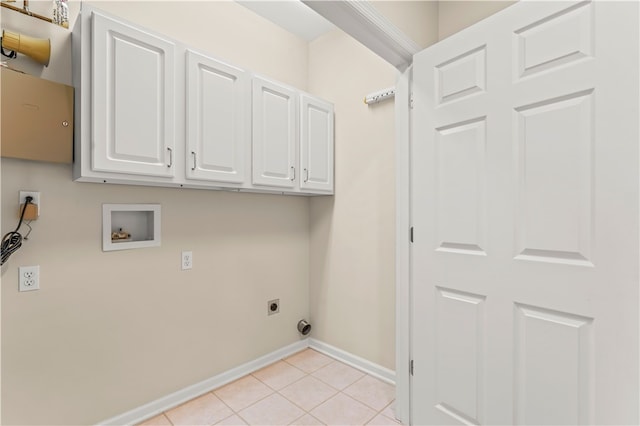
x=194 y=160
x=294 y=173
x=170 y=157
x=306 y=175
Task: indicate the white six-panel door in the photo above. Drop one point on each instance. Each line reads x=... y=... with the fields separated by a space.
x=133 y=92
x=525 y=188
x=218 y=127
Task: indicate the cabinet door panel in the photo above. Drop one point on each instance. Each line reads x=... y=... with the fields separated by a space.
x=132 y=100
x=217 y=120
x=316 y=144
x=274 y=134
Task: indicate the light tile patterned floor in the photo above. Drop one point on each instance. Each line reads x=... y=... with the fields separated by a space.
x=307 y=388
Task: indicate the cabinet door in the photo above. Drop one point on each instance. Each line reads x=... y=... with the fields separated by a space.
x=274 y=134
x=316 y=144
x=132 y=100
x=218 y=124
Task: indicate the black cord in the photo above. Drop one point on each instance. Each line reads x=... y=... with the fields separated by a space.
x=12 y=53
x=12 y=241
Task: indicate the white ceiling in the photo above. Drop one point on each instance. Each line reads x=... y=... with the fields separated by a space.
x=292 y=15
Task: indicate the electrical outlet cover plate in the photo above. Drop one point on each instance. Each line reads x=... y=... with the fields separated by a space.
x=187 y=260
x=273 y=306
x=36 y=199
x=29 y=278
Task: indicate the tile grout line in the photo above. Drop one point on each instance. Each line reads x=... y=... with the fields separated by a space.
x=339 y=391
x=241 y=418
x=237 y=413
x=329 y=384
x=306 y=413
x=306 y=375
x=271 y=387
x=313 y=350
x=390 y=418
x=380 y=412
x=226 y=405
x=164 y=414
x=315 y=406
x=253 y=403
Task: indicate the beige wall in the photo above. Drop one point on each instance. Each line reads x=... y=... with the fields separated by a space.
x=352 y=280
x=417 y=19
x=109 y=332
x=352 y=253
x=454 y=15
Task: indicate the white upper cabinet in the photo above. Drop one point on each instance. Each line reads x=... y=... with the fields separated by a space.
x=274 y=134
x=218 y=125
x=316 y=144
x=150 y=110
x=132 y=100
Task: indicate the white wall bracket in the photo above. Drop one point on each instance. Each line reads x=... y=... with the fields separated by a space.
x=379 y=96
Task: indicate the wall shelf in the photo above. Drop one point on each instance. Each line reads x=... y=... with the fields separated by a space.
x=25 y=11
x=130 y=226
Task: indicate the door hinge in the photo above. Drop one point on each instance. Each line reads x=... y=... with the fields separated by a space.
x=411 y=367
x=411 y=234
x=411 y=100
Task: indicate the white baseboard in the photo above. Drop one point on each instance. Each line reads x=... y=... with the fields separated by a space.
x=354 y=361
x=165 y=403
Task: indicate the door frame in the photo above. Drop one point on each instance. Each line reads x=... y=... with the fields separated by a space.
x=403 y=245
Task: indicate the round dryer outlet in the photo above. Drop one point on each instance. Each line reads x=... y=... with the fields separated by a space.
x=273 y=306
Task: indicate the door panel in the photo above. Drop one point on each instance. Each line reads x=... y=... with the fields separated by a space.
x=217 y=120
x=553 y=366
x=316 y=144
x=132 y=100
x=461 y=76
x=558 y=39
x=525 y=189
x=274 y=134
x=460 y=187
x=555 y=179
x=460 y=350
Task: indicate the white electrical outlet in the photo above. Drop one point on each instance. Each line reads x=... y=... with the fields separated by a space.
x=36 y=199
x=187 y=260
x=29 y=278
